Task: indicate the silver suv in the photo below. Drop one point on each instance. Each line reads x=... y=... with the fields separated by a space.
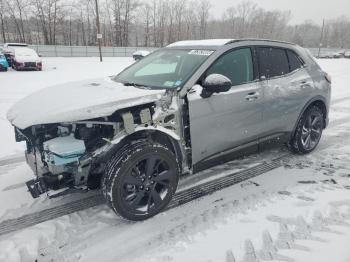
x=181 y=109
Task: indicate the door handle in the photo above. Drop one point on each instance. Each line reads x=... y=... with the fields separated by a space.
x=304 y=84
x=252 y=96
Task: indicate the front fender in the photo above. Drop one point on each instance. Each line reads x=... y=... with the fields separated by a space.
x=138 y=130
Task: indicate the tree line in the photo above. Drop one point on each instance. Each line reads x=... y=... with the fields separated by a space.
x=156 y=23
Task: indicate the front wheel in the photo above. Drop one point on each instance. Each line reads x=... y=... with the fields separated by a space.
x=309 y=131
x=140 y=181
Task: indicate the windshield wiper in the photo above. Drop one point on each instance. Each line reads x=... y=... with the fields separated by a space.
x=130 y=84
x=136 y=85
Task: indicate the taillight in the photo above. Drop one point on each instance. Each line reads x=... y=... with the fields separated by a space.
x=328 y=78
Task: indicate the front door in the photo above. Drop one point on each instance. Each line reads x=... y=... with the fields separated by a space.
x=230 y=119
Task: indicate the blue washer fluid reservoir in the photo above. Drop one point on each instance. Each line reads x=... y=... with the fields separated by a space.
x=63 y=150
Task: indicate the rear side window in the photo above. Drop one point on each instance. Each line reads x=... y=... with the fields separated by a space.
x=294 y=61
x=272 y=62
x=237 y=65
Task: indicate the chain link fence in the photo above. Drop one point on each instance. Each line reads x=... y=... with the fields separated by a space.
x=85 y=51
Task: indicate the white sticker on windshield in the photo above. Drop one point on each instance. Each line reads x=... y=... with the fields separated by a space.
x=201 y=52
x=168 y=83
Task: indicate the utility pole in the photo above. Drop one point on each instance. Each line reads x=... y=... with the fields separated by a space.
x=321 y=38
x=99 y=35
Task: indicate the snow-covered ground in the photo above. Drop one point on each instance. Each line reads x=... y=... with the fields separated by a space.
x=299 y=212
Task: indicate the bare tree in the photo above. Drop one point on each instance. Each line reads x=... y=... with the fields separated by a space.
x=203 y=17
x=2 y=19
x=156 y=23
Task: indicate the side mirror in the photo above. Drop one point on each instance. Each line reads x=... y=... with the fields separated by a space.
x=215 y=83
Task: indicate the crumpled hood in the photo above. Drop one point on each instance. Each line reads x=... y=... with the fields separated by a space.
x=78 y=101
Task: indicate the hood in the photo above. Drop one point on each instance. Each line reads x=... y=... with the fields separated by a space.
x=78 y=101
x=23 y=59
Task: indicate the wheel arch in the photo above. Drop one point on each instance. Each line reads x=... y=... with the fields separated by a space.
x=318 y=101
x=168 y=139
x=125 y=141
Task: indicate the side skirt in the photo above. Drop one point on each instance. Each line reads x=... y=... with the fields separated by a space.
x=256 y=146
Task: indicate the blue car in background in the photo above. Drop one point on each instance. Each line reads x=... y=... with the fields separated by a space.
x=3 y=63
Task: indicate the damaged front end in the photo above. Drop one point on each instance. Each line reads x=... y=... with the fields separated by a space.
x=72 y=156
x=61 y=155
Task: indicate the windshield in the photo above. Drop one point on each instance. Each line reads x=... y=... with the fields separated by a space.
x=25 y=52
x=166 y=68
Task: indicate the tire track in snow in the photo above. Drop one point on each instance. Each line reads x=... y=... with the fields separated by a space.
x=180 y=198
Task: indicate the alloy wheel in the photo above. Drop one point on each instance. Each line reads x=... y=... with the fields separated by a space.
x=311 y=131
x=146 y=185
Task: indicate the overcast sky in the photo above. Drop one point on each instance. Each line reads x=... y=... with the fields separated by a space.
x=301 y=10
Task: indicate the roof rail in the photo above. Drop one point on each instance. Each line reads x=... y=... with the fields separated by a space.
x=258 y=39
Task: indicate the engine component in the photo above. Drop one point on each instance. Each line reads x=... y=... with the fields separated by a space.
x=129 y=124
x=61 y=151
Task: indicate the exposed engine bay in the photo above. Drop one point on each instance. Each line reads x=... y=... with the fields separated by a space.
x=72 y=155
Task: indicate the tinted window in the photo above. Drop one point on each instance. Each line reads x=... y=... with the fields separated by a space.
x=294 y=61
x=273 y=62
x=237 y=65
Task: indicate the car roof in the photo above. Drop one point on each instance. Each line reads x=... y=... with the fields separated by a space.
x=217 y=43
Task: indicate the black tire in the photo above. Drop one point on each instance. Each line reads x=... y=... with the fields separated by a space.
x=135 y=192
x=308 y=132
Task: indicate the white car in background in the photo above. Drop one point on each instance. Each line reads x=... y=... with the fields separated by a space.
x=25 y=58
x=138 y=55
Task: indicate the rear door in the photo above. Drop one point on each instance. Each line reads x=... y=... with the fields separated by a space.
x=286 y=86
x=226 y=120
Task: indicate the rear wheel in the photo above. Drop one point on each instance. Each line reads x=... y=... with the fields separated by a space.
x=309 y=131
x=140 y=180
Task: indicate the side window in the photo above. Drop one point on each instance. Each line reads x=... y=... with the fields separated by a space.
x=272 y=62
x=294 y=61
x=237 y=65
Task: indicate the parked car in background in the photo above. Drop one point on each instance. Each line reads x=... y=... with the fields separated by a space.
x=347 y=54
x=138 y=55
x=8 y=50
x=338 y=55
x=25 y=58
x=3 y=62
x=325 y=55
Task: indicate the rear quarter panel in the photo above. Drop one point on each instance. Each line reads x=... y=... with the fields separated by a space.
x=322 y=88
